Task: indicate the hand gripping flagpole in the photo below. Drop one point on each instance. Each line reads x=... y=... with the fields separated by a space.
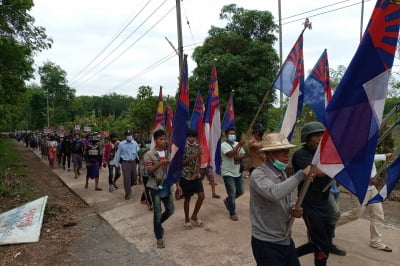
x=301 y=196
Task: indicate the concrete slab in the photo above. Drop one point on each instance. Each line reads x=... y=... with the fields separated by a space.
x=221 y=241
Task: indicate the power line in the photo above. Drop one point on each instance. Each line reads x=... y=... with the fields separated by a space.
x=112 y=41
x=119 y=45
x=322 y=13
x=187 y=22
x=130 y=46
x=149 y=68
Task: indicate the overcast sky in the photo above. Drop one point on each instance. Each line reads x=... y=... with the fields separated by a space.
x=82 y=30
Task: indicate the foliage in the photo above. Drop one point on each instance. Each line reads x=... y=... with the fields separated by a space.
x=246 y=62
x=59 y=95
x=19 y=41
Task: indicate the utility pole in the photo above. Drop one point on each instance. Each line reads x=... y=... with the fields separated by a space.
x=180 y=42
x=362 y=19
x=48 y=113
x=280 y=49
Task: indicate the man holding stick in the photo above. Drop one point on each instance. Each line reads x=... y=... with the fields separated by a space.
x=317 y=212
x=270 y=204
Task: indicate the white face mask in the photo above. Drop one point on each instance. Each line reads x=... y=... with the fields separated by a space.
x=129 y=138
x=232 y=138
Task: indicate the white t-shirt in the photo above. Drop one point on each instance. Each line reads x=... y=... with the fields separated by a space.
x=377 y=158
x=228 y=167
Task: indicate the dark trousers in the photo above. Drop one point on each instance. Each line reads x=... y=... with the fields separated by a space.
x=130 y=175
x=66 y=158
x=271 y=254
x=320 y=228
x=159 y=216
x=111 y=178
x=146 y=195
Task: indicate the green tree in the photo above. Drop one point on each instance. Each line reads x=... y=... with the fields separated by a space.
x=143 y=110
x=246 y=62
x=60 y=96
x=20 y=39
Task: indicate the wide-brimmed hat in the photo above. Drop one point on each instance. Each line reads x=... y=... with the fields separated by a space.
x=275 y=141
x=258 y=127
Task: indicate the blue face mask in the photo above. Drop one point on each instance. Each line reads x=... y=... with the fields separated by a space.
x=279 y=165
x=129 y=138
x=232 y=138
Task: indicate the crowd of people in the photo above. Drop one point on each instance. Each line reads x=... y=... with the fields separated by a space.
x=140 y=161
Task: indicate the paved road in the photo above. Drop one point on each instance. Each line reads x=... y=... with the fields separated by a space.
x=221 y=241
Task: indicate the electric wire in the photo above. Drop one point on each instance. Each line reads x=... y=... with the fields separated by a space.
x=120 y=44
x=187 y=21
x=130 y=46
x=111 y=42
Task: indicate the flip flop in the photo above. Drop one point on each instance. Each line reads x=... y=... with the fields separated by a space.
x=198 y=222
x=188 y=225
x=386 y=249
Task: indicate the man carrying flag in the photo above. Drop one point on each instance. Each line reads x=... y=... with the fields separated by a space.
x=354 y=115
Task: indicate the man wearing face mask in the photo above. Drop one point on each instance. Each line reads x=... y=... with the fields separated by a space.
x=270 y=203
x=231 y=155
x=317 y=212
x=126 y=154
x=110 y=148
x=255 y=144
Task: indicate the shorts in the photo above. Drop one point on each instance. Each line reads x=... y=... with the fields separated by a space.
x=76 y=160
x=189 y=187
x=207 y=172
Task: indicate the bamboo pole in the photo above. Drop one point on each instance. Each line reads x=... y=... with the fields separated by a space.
x=301 y=196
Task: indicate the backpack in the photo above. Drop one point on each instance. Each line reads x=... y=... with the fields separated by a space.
x=77 y=146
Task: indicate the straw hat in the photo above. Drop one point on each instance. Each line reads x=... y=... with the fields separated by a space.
x=275 y=141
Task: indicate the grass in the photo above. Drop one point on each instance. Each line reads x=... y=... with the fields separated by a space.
x=14 y=182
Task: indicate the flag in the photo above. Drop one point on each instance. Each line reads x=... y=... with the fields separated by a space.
x=354 y=114
x=179 y=132
x=198 y=112
x=393 y=176
x=290 y=81
x=169 y=116
x=229 y=117
x=317 y=88
x=212 y=123
x=159 y=119
x=197 y=122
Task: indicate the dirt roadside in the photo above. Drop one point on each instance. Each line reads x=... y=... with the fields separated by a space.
x=72 y=232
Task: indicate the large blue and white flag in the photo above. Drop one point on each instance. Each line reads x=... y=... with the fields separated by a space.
x=354 y=114
x=290 y=81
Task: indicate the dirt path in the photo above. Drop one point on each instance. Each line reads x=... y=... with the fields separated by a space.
x=72 y=233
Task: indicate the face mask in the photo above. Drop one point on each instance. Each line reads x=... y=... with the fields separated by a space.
x=232 y=137
x=190 y=143
x=279 y=165
x=129 y=138
x=148 y=145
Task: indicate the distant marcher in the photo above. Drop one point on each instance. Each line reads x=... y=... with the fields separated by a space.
x=93 y=161
x=127 y=154
x=255 y=143
x=77 y=151
x=190 y=181
x=270 y=204
x=66 y=152
x=110 y=148
x=375 y=210
x=136 y=137
x=232 y=153
x=156 y=163
x=52 y=151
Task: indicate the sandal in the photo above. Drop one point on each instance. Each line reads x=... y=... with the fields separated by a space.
x=216 y=196
x=188 y=225
x=386 y=249
x=234 y=218
x=198 y=222
x=98 y=189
